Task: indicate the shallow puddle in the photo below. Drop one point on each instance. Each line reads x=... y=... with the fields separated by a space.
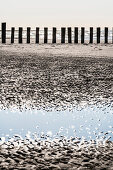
x=90 y=123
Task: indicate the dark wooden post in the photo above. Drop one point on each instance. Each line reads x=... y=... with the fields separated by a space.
x=63 y=32
x=82 y=35
x=76 y=35
x=37 y=35
x=106 y=35
x=3 y=32
x=28 y=34
x=45 y=35
x=98 y=35
x=54 y=35
x=91 y=35
x=12 y=34
x=20 y=34
x=69 y=35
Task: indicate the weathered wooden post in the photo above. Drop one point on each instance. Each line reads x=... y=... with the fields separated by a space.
x=82 y=35
x=37 y=35
x=45 y=35
x=28 y=34
x=54 y=35
x=69 y=35
x=76 y=35
x=98 y=35
x=91 y=35
x=3 y=33
x=12 y=35
x=106 y=35
x=20 y=35
x=63 y=32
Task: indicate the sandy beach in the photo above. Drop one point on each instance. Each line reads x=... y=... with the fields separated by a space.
x=55 y=77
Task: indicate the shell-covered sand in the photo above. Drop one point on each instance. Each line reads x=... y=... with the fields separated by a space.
x=55 y=77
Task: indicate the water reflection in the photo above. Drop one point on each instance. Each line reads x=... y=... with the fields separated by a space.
x=90 y=122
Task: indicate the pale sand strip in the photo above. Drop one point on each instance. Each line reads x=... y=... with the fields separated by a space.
x=87 y=50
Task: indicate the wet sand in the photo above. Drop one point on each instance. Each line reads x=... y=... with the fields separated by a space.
x=57 y=154
x=55 y=77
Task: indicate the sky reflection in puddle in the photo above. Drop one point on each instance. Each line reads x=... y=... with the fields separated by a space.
x=91 y=122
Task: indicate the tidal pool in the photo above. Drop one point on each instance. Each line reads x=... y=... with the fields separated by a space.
x=90 y=123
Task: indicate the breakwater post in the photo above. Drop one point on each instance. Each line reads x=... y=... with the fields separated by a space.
x=63 y=32
x=3 y=32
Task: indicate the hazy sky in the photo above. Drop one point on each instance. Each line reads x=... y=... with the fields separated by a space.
x=56 y=13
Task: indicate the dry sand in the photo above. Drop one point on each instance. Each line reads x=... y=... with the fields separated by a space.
x=55 y=76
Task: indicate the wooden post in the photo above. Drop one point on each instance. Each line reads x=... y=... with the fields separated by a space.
x=82 y=35
x=20 y=34
x=3 y=33
x=28 y=35
x=63 y=32
x=12 y=34
x=91 y=35
x=54 y=35
x=76 y=35
x=45 y=35
x=106 y=35
x=98 y=35
x=69 y=35
x=37 y=35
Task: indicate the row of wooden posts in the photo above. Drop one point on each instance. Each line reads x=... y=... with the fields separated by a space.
x=63 y=34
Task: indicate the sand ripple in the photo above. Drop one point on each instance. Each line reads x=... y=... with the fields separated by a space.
x=56 y=154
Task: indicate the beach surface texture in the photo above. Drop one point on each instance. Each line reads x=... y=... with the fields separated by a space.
x=55 y=77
